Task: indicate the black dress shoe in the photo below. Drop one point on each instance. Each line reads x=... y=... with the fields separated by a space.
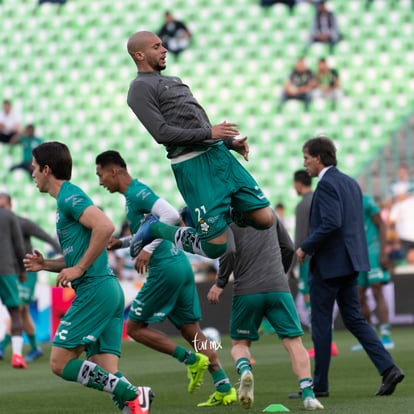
x=390 y=381
x=318 y=394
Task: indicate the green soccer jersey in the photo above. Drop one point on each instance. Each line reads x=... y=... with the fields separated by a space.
x=371 y=208
x=139 y=201
x=73 y=237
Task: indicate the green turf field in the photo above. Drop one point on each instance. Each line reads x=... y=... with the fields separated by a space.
x=353 y=379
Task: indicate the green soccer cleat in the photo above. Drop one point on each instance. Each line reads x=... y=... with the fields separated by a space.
x=220 y=398
x=196 y=372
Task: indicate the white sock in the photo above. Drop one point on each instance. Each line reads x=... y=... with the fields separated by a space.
x=17 y=345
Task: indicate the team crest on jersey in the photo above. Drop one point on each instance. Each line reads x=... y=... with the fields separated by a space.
x=205 y=228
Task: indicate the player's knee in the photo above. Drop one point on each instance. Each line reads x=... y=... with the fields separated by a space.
x=212 y=250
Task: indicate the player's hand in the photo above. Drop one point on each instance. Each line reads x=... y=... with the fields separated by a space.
x=241 y=146
x=213 y=296
x=141 y=264
x=67 y=275
x=33 y=262
x=224 y=130
x=300 y=254
x=114 y=244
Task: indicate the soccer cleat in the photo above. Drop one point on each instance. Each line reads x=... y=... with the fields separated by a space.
x=142 y=403
x=246 y=389
x=311 y=404
x=143 y=236
x=34 y=354
x=220 y=398
x=387 y=342
x=195 y=372
x=18 y=361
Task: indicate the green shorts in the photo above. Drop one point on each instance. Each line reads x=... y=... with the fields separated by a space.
x=27 y=289
x=248 y=311
x=95 y=319
x=211 y=183
x=9 y=290
x=303 y=282
x=169 y=292
x=374 y=276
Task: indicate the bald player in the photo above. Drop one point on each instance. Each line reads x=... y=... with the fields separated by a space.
x=209 y=178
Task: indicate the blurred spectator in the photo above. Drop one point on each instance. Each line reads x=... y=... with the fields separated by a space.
x=299 y=85
x=327 y=83
x=10 y=121
x=28 y=140
x=403 y=184
x=402 y=219
x=289 y=3
x=325 y=27
x=174 y=34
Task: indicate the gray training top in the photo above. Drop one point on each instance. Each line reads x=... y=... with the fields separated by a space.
x=168 y=110
x=257 y=259
x=12 y=247
x=302 y=218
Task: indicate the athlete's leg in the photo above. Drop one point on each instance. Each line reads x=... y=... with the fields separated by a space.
x=195 y=336
x=65 y=363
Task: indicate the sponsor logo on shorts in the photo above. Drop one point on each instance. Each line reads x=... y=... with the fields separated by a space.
x=243 y=331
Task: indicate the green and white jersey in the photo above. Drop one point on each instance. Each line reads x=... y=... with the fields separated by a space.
x=73 y=237
x=139 y=201
x=371 y=208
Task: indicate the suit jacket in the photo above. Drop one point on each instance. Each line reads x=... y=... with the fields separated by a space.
x=336 y=240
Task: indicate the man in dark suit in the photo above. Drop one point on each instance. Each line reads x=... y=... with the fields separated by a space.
x=338 y=250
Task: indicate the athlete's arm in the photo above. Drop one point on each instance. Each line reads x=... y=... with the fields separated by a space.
x=102 y=229
x=33 y=262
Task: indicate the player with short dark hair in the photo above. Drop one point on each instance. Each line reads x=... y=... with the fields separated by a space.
x=94 y=321
x=208 y=177
x=169 y=290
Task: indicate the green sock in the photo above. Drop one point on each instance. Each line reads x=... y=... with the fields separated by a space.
x=385 y=330
x=221 y=381
x=163 y=231
x=188 y=357
x=32 y=341
x=92 y=375
x=243 y=364
x=6 y=341
x=306 y=386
